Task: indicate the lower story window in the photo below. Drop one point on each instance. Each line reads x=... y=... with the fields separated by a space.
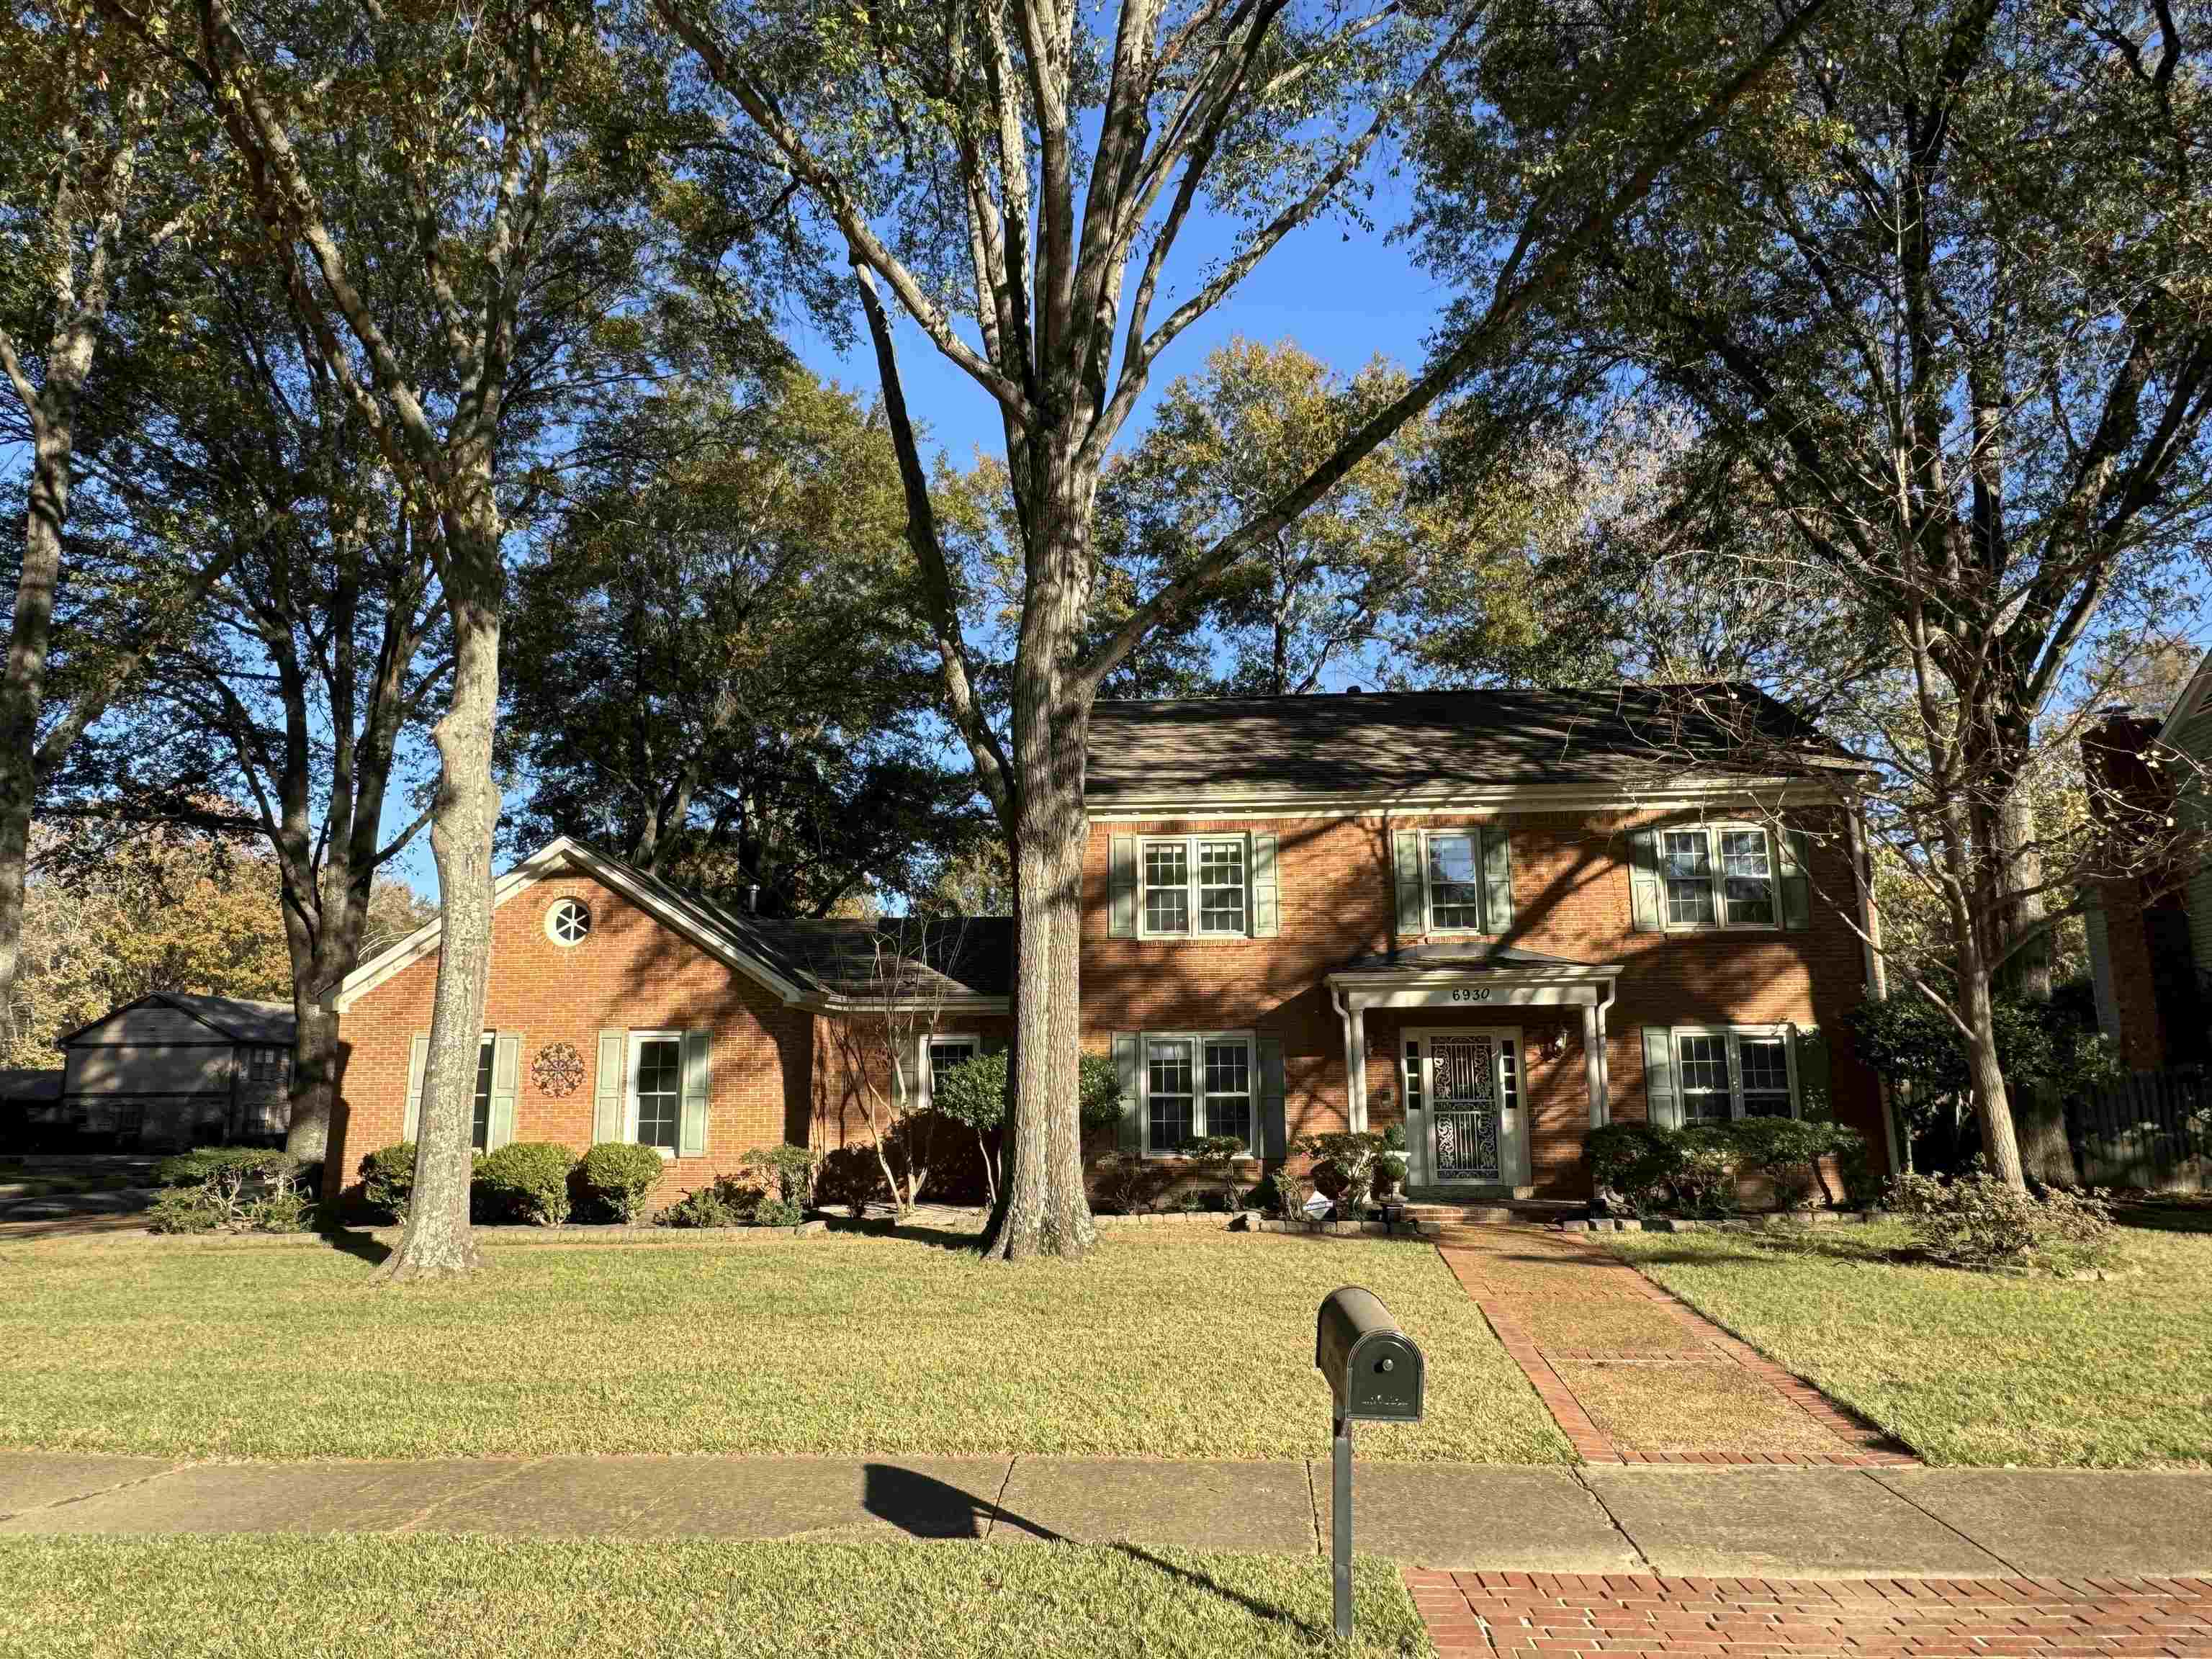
x=656 y=1087
x=944 y=1053
x=1197 y=1084
x=1733 y=1073
x=480 y=1122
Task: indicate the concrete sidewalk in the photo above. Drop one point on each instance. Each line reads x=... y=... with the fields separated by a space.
x=1723 y=1522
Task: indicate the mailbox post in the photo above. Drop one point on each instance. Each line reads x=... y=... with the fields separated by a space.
x=1375 y=1374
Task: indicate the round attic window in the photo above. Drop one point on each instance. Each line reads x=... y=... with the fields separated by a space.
x=567 y=921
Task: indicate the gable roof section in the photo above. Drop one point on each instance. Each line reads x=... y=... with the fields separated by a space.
x=2196 y=698
x=269 y=1023
x=817 y=964
x=1409 y=746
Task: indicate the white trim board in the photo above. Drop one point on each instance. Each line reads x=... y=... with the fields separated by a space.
x=1673 y=795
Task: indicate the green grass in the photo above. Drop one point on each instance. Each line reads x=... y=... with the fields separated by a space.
x=1971 y=1368
x=389 y=1597
x=1192 y=1345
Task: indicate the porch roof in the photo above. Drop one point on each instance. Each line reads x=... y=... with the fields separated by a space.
x=1469 y=957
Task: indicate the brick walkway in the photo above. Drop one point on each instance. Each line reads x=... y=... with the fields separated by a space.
x=1633 y=1375
x=1568 y=1614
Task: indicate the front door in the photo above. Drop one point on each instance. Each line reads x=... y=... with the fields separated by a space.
x=1471 y=1084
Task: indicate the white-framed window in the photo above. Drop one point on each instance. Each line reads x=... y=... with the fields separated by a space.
x=266 y=1064
x=567 y=921
x=938 y=1052
x=480 y=1117
x=656 y=1089
x=1452 y=878
x=1727 y=1072
x=1193 y=887
x=1719 y=875
x=1198 y=1083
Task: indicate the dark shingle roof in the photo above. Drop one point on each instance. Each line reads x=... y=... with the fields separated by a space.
x=1470 y=956
x=973 y=954
x=1430 y=742
x=270 y=1023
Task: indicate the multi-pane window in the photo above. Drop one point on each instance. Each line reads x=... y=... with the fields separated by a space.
x=1197 y=885
x=1170 y=1095
x=1456 y=882
x=657 y=1085
x=1228 y=1088
x=1718 y=877
x=1688 y=865
x=1728 y=1074
x=480 y=1122
x=1197 y=1084
x=944 y=1053
x=266 y=1064
x=1167 y=887
x=1412 y=1074
x=1702 y=1067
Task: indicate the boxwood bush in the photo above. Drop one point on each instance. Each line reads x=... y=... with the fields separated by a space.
x=387 y=1179
x=1693 y=1171
x=617 y=1178
x=528 y=1181
x=725 y=1202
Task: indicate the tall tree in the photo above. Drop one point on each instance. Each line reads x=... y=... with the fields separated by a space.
x=1013 y=165
x=716 y=669
x=97 y=179
x=1947 y=300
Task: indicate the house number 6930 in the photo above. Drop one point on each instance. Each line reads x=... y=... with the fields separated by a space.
x=1470 y=993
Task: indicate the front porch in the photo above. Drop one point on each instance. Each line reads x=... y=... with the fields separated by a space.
x=1492 y=1057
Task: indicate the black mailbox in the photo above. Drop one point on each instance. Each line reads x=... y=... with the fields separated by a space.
x=1373 y=1368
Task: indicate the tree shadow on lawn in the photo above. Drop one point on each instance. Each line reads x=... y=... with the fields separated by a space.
x=923 y=1506
x=348 y=1241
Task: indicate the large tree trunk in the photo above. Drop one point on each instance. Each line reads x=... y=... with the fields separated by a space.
x=2027 y=972
x=437 y=1242
x=1992 y=1106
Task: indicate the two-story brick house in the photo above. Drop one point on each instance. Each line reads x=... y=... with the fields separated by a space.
x=1497 y=918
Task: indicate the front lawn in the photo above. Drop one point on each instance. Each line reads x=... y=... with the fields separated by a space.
x=1971 y=1368
x=260 y=1597
x=1185 y=1345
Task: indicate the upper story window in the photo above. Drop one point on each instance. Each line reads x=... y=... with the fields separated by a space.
x=567 y=921
x=1722 y=875
x=1194 y=886
x=1454 y=881
x=266 y=1064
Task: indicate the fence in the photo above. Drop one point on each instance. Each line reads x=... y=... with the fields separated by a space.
x=2151 y=1130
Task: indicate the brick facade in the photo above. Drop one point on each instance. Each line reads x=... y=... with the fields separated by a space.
x=1571 y=886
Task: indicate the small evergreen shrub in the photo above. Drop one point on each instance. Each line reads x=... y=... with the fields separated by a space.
x=387 y=1178
x=202 y=1163
x=725 y=1202
x=776 y=1211
x=1978 y=1221
x=182 y=1210
x=1215 y=1156
x=784 y=1172
x=528 y=1181
x=618 y=1177
x=1344 y=1166
x=1693 y=1171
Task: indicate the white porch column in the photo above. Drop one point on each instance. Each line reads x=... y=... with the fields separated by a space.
x=1358 y=1075
x=1593 y=1063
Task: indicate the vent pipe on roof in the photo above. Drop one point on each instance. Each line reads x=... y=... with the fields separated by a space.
x=752 y=898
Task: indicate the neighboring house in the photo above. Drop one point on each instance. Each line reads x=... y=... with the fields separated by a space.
x=30 y=1107
x=2150 y=932
x=173 y=1070
x=1499 y=918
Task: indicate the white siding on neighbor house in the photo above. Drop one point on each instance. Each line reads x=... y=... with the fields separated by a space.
x=154 y=1022
x=150 y=1069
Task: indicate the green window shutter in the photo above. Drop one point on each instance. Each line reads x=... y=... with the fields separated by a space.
x=1405 y=855
x=1128 y=1064
x=1664 y=1107
x=1797 y=882
x=691 y=1135
x=1647 y=893
x=1496 y=880
x=1121 y=886
x=607 y=1102
x=419 y=1060
x=506 y=1077
x=1810 y=1049
x=1274 y=1138
x=1266 y=919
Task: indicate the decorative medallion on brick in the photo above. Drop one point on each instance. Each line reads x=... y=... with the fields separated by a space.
x=558 y=1070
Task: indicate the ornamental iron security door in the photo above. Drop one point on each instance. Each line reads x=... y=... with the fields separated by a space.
x=1464 y=1072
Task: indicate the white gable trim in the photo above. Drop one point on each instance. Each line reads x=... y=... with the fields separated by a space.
x=2192 y=698
x=553 y=859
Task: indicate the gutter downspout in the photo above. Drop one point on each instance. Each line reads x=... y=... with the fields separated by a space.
x=1601 y=1079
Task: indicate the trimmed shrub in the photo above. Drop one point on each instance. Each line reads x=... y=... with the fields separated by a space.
x=784 y=1172
x=1344 y=1166
x=725 y=1202
x=1788 y=1150
x=1693 y=1171
x=1215 y=1156
x=1099 y=1097
x=182 y=1210
x=387 y=1178
x=202 y=1163
x=774 y=1211
x=528 y=1181
x=618 y=1177
x=1980 y=1222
